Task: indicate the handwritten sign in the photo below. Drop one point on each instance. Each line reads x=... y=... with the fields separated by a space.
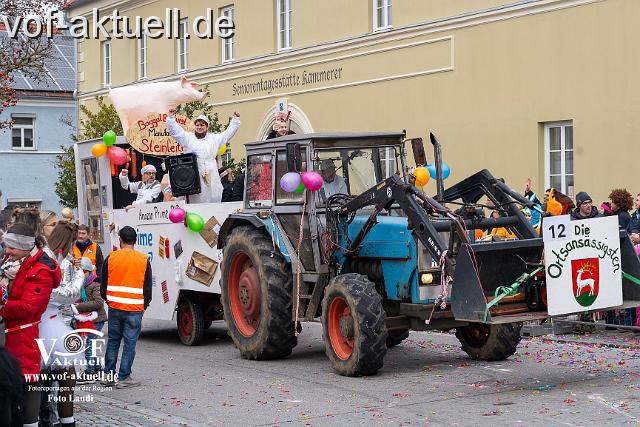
x=583 y=264
x=149 y=135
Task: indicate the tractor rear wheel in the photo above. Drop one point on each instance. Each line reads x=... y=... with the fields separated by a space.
x=190 y=320
x=489 y=342
x=354 y=331
x=394 y=338
x=257 y=299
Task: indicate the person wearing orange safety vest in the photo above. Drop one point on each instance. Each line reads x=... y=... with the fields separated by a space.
x=85 y=247
x=126 y=287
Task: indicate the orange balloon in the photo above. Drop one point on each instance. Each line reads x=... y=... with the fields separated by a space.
x=99 y=150
x=422 y=176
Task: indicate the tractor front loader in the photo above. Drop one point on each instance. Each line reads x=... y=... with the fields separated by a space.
x=380 y=260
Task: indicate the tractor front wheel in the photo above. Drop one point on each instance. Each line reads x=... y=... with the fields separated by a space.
x=257 y=299
x=354 y=331
x=489 y=342
x=190 y=320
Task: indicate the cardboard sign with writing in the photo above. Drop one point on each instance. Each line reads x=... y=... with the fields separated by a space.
x=149 y=135
x=583 y=264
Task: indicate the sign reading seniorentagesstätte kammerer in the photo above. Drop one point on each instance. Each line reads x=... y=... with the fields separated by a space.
x=583 y=264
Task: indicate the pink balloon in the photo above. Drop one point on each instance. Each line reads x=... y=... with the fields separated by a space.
x=177 y=215
x=312 y=180
x=117 y=155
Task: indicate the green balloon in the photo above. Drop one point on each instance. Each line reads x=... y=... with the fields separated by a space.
x=300 y=188
x=109 y=138
x=195 y=222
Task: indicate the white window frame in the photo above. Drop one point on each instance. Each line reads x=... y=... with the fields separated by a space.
x=228 y=45
x=385 y=11
x=388 y=160
x=107 y=54
x=563 y=150
x=284 y=11
x=182 y=47
x=22 y=127
x=143 y=50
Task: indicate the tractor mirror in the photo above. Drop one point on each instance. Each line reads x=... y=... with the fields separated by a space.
x=418 y=151
x=294 y=157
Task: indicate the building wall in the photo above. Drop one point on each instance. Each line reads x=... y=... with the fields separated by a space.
x=32 y=174
x=484 y=80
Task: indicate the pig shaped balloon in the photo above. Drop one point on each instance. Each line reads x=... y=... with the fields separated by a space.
x=135 y=102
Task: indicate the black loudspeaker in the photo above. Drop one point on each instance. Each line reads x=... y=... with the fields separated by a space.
x=183 y=175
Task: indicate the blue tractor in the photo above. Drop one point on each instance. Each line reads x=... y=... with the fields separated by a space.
x=374 y=256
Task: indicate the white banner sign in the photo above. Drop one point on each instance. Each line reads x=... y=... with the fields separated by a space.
x=583 y=264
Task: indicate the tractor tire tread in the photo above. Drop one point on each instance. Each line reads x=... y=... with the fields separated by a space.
x=276 y=338
x=368 y=306
x=502 y=343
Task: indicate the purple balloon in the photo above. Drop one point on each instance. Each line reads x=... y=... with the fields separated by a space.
x=177 y=215
x=290 y=181
x=312 y=180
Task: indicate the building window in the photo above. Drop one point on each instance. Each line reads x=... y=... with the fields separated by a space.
x=284 y=24
x=381 y=14
x=558 y=157
x=388 y=161
x=228 y=45
x=226 y=158
x=142 y=57
x=106 y=63
x=22 y=133
x=183 y=36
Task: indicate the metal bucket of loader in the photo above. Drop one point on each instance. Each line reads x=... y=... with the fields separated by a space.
x=498 y=264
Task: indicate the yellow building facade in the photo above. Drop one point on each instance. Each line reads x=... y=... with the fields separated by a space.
x=545 y=89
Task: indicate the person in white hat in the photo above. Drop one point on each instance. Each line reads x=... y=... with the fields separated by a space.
x=147 y=189
x=205 y=146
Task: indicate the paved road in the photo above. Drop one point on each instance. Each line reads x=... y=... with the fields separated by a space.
x=427 y=380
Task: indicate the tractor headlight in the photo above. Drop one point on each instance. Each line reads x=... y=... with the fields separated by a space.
x=426 y=278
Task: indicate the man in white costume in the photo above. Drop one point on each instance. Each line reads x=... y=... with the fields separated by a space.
x=147 y=189
x=205 y=146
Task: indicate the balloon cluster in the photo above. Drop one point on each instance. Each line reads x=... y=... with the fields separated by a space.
x=297 y=182
x=423 y=174
x=191 y=220
x=117 y=155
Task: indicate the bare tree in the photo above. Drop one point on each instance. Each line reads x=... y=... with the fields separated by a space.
x=22 y=54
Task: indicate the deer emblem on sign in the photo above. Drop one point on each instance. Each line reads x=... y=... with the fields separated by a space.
x=584 y=283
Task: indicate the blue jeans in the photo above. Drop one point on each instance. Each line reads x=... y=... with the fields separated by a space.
x=93 y=363
x=122 y=325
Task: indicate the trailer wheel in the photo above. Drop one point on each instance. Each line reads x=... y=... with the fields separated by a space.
x=394 y=338
x=257 y=299
x=190 y=320
x=489 y=342
x=354 y=331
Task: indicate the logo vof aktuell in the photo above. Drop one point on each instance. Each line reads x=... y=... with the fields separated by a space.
x=150 y=134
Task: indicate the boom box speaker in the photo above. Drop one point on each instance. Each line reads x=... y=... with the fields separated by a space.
x=183 y=174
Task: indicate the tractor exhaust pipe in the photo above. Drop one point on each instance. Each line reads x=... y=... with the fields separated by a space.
x=437 y=152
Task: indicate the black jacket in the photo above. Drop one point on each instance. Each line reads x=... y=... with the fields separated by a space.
x=624 y=218
x=577 y=215
x=147 y=287
x=237 y=193
x=634 y=223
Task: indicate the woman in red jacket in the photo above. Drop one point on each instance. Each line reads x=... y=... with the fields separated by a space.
x=28 y=295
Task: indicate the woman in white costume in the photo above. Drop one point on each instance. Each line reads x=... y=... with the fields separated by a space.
x=63 y=350
x=205 y=146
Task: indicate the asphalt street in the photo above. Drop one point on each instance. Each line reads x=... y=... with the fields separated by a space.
x=427 y=380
